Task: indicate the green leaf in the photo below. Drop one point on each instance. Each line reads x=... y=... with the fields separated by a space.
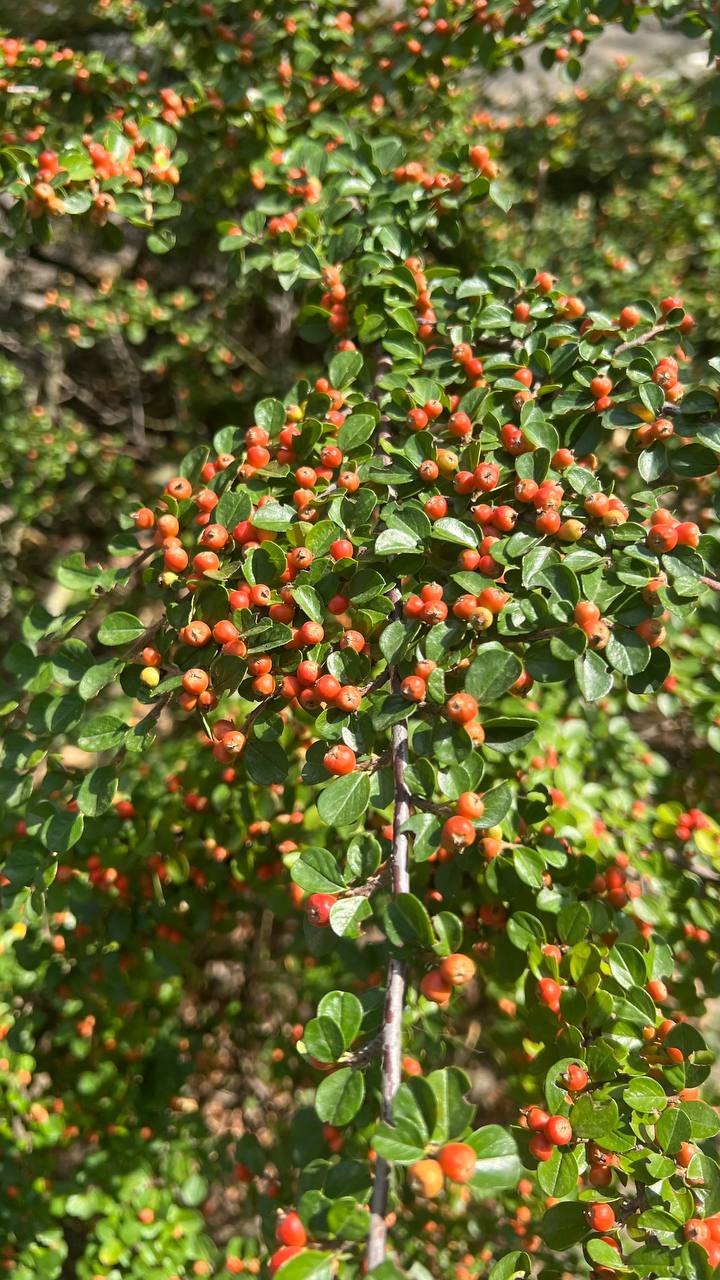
x=266 y=762
x=555 y=1087
x=98 y=677
x=449 y=930
x=344 y=369
x=364 y=854
x=594 y=679
x=388 y=1271
x=653 y=461
x=232 y=508
x=398 y=1143
x=344 y=802
x=558 y=1176
x=530 y=866
x=62 y=830
x=320 y=537
x=355 y=430
x=598 y=1250
x=23 y=867
x=627 y=652
x=426 y=829
x=693 y=460
x=704 y=1120
x=500 y=196
x=311 y=1265
x=672 y=1129
x=102 y=734
x=498 y=1164
x=316 y=871
x=395 y=638
x=346 y=1010
x=403 y=346
x=524 y=929
x=270 y=414
x=63 y=712
x=415 y=1107
x=508 y=734
x=704 y=1172
x=627 y=965
x=340 y=1096
x=70 y=661
x=273 y=515
x=266 y=634
x=498 y=803
x=395 y=542
x=347 y=915
x=97 y=791
x=75 y=575
x=662 y=1224
x=347 y=1220
x=634 y=1005
x=448 y=529
x=407 y=920
x=120 y=628
x=323 y=1039
x=265 y=564
x=563 y=1225
x=573 y=923
x=512 y=1267
x=454 y=1113
x=593 y=1117
x=492 y=673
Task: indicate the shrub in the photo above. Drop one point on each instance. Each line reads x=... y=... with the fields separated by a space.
x=348 y=860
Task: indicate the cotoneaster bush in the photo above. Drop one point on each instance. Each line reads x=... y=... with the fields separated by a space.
x=191 y=355
x=329 y=787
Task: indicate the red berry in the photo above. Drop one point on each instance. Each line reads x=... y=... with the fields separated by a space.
x=340 y=760
x=318 y=908
x=600 y=1217
x=341 y=549
x=457 y=1161
x=290 y=1229
x=558 y=1130
x=549 y=992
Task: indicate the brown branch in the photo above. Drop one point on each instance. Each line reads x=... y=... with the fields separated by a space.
x=120 y=587
x=363 y=1056
x=377 y=683
x=643 y=338
x=712 y=583
x=429 y=806
x=373 y=763
x=391 y=1035
x=531 y=636
x=368 y=888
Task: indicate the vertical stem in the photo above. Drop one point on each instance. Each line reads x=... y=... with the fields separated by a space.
x=391 y=1037
x=394 y=992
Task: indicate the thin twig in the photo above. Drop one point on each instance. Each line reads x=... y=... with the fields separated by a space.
x=429 y=806
x=643 y=338
x=363 y=1057
x=366 y=890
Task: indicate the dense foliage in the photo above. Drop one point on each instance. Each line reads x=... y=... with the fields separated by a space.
x=360 y=903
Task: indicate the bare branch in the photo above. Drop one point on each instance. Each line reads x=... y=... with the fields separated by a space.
x=395 y=988
x=641 y=340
